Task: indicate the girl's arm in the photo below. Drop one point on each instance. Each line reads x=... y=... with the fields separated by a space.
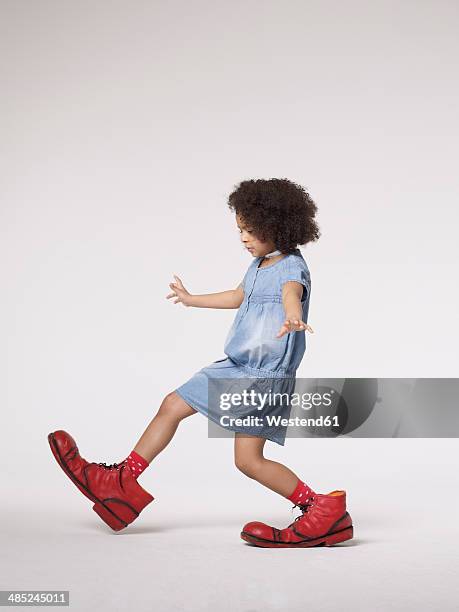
x=291 y=300
x=225 y=299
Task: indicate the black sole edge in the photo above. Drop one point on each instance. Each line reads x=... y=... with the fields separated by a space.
x=293 y=544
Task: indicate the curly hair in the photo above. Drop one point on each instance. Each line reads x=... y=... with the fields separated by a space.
x=278 y=210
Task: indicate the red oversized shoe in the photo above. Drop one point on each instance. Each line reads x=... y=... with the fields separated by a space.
x=324 y=521
x=118 y=497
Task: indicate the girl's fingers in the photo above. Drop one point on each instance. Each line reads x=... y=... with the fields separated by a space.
x=171 y=295
x=176 y=288
x=296 y=324
x=290 y=324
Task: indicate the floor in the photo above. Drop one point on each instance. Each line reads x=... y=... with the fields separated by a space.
x=184 y=551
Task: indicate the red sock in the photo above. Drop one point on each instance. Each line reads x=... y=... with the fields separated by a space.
x=301 y=493
x=136 y=463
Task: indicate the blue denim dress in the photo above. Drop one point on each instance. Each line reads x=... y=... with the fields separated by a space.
x=252 y=349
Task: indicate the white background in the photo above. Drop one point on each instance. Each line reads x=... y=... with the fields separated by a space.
x=124 y=128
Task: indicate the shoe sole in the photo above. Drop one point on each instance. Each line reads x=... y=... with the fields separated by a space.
x=106 y=514
x=329 y=539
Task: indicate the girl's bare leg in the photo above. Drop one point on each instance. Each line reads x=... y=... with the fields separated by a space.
x=248 y=457
x=163 y=426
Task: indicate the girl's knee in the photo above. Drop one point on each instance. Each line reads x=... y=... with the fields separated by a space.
x=173 y=406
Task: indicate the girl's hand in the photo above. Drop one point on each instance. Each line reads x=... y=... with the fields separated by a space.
x=293 y=325
x=179 y=292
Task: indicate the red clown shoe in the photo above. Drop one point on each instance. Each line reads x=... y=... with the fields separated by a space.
x=118 y=498
x=324 y=521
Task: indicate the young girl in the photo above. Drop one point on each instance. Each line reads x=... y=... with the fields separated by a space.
x=273 y=217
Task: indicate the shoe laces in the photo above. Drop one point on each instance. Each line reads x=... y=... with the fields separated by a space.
x=304 y=508
x=111 y=466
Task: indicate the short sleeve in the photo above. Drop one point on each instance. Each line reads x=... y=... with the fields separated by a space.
x=297 y=272
x=244 y=280
x=242 y=283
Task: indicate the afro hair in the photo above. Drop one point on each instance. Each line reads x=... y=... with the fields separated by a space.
x=276 y=210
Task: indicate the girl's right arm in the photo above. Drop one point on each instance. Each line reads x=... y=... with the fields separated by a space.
x=225 y=299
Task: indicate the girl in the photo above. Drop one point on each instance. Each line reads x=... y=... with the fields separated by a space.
x=273 y=217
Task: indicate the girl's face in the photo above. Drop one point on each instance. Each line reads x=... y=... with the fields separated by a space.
x=255 y=247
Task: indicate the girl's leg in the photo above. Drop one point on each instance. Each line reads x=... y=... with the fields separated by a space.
x=248 y=457
x=163 y=426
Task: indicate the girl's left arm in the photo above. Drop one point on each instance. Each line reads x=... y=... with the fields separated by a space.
x=291 y=300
